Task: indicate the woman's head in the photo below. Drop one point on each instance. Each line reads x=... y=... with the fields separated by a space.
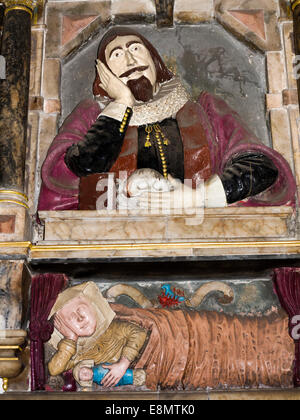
x=77 y=316
x=83 y=310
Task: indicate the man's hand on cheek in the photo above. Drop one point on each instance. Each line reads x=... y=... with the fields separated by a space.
x=114 y=87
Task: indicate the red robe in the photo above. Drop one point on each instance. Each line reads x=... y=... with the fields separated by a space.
x=212 y=133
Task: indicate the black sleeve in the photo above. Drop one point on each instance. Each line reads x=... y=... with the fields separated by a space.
x=100 y=148
x=248 y=175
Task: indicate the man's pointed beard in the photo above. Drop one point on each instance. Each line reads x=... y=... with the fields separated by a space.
x=141 y=89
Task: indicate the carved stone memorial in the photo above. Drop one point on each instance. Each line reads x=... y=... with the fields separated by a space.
x=149 y=199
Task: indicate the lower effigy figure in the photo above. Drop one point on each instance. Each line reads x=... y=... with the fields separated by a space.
x=114 y=345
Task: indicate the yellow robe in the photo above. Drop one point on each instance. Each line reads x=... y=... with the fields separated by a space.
x=121 y=339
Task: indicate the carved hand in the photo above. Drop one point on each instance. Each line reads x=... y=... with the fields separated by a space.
x=64 y=329
x=115 y=88
x=209 y=194
x=181 y=197
x=117 y=371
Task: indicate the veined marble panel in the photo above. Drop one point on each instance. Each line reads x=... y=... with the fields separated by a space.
x=230 y=223
x=10 y=294
x=14 y=222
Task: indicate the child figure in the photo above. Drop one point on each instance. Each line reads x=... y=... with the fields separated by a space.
x=86 y=372
x=86 y=328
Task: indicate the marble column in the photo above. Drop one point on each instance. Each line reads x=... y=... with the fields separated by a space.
x=296 y=18
x=14 y=93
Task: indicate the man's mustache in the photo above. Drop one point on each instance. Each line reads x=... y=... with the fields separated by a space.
x=131 y=71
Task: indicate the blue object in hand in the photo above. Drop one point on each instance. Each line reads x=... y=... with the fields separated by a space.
x=100 y=372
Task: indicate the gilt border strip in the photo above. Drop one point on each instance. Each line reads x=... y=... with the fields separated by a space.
x=295 y=244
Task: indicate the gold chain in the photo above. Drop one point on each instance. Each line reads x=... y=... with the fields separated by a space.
x=160 y=140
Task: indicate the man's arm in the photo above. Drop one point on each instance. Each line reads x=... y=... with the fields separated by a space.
x=248 y=175
x=55 y=174
x=100 y=148
x=103 y=142
x=244 y=165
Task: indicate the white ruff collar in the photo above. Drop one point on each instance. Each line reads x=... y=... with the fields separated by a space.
x=170 y=98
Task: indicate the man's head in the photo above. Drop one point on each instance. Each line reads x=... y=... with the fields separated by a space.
x=134 y=61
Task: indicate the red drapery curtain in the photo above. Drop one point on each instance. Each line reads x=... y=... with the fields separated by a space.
x=287 y=287
x=44 y=291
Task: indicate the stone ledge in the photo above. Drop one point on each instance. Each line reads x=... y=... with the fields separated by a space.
x=165 y=251
x=235 y=232
x=274 y=395
x=214 y=224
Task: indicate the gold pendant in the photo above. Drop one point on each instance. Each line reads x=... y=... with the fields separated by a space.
x=159 y=132
x=148 y=130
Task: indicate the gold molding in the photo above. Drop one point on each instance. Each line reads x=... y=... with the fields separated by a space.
x=25 y=5
x=24 y=8
x=169 y=246
x=12 y=192
x=5 y=384
x=26 y=244
x=295 y=4
x=31 y=4
x=19 y=203
x=28 y=247
x=11 y=348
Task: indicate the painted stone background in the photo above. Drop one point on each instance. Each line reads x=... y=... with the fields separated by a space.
x=206 y=58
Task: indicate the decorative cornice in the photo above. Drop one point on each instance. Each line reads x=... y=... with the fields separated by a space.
x=294 y=244
x=41 y=251
x=26 y=5
x=164 y=245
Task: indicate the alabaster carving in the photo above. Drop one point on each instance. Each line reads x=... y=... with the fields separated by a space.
x=142 y=118
x=110 y=345
x=89 y=331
